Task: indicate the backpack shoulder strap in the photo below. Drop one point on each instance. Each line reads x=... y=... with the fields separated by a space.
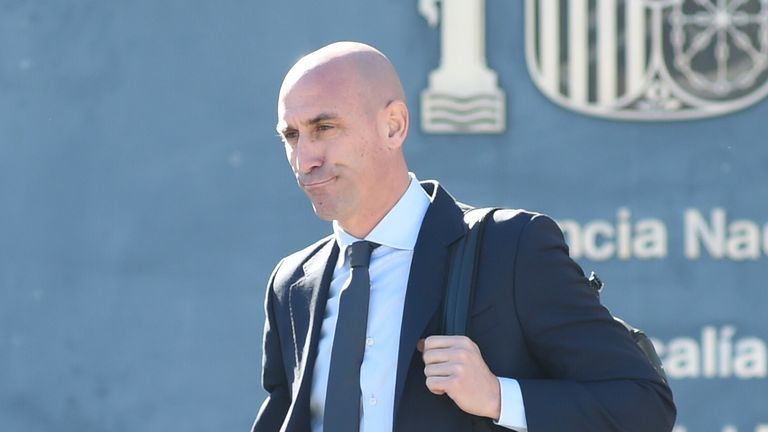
x=465 y=255
x=459 y=292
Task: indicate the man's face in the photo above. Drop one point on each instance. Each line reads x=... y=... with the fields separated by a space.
x=332 y=141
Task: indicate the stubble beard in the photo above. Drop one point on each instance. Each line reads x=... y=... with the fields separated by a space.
x=328 y=206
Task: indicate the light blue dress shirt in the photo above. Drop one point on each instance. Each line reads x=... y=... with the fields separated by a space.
x=389 y=268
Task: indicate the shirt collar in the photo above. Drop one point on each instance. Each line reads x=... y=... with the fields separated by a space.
x=400 y=227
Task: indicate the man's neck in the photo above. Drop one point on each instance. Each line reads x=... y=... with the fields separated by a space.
x=362 y=223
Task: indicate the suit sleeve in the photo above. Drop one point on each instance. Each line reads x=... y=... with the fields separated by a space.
x=275 y=406
x=597 y=379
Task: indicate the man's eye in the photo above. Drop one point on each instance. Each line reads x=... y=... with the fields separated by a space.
x=290 y=136
x=324 y=127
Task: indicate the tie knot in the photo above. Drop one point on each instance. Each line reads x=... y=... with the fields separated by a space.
x=360 y=253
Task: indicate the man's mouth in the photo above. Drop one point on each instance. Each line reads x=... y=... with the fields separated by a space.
x=316 y=184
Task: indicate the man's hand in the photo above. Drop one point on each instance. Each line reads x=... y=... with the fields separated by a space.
x=454 y=366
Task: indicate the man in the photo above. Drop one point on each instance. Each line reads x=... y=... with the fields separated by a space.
x=542 y=353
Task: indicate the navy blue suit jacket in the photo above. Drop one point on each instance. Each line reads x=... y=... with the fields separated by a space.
x=534 y=319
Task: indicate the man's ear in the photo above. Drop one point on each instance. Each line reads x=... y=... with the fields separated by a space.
x=397 y=122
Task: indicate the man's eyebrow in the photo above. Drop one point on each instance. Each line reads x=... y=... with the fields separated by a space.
x=282 y=127
x=322 y=117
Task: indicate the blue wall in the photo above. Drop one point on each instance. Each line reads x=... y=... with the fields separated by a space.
x=144 y=199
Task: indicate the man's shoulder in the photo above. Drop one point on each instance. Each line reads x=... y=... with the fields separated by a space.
x=515 y=223
x=504 y=215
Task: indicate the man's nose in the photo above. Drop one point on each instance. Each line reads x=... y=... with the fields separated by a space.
x=309 y=155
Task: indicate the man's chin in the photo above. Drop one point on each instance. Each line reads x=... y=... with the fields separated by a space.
x=323 y=212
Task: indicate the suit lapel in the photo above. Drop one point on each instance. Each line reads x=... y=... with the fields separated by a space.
x=307 y=303
x=443 y=224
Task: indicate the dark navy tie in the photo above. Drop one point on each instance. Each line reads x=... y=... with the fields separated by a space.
x=342 y=400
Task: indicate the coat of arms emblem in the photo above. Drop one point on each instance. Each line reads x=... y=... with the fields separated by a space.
x=622 y=59
x=649 y=59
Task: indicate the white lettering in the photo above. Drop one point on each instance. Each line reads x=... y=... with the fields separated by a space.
x=625 y=239
x=697 y=230
x=682 y=360
x=601 y=240
x=650 y=239
x=572 y=232
x=744 y=240
x=725 y=345
x=738 y=240
x=765 y=239
x=624 y=234
x=750 y=359
x=604 y=249
x=709 y=356
x=717 y=355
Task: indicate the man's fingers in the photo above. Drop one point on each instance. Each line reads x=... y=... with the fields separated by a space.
x=440 y=349
x=443 y=369
x=445 y=355
x=436 y=356
x=454 y=366
x=437 y=385
x=434 y=342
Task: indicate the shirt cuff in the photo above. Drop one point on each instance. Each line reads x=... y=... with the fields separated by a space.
x=512 y=415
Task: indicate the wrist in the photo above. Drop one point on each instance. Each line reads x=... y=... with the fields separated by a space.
x=495 y=405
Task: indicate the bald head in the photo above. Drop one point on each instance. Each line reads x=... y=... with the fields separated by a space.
x=358 y=66
x=343 y=119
